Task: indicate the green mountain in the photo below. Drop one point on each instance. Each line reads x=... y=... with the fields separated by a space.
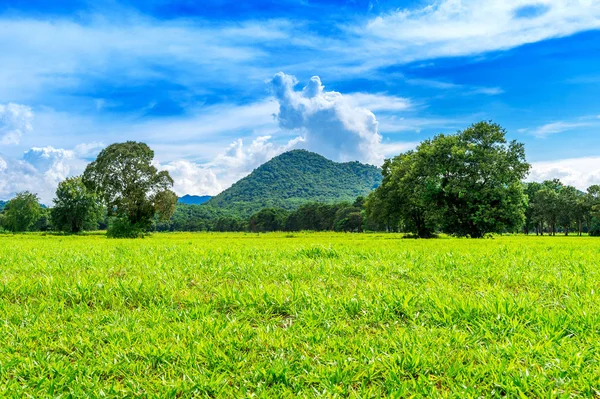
x=297 y=177
x=2 y=204
x=193 y=199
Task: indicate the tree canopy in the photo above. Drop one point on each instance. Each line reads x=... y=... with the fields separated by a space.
x=466 y=184
x=130 y=187
x=75 y=208
x=22 y=212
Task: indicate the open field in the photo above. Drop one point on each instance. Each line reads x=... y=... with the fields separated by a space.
x=276 y=315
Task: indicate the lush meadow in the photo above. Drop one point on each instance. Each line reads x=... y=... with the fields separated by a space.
x=284 y=315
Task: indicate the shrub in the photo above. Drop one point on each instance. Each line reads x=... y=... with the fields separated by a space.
x=120 y=227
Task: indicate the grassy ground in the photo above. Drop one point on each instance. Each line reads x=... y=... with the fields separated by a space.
x=276 y=315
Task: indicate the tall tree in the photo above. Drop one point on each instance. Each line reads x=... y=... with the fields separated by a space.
x=479 y=175
x=131 y=188
x=568 y=198
x=22 y=212
x=533 y=219
x=547 y=204
x=405 y=194
x=75 y=207
x=468 y=183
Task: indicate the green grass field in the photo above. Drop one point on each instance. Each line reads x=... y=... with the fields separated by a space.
x=276 y=315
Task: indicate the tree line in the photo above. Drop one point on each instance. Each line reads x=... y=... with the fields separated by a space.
x=467 y=184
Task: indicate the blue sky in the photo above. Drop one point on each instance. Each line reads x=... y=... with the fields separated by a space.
x=218 y=87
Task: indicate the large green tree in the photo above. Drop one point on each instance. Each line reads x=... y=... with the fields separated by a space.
x=466 y=184
x=75 y=207
x=22 y=212
x=130 y=187
x=404 y=198
x=477 y=180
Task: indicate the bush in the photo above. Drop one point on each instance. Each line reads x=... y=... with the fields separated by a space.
x=119 y=227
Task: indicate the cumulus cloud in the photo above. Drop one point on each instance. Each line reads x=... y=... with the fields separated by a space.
x=238 y=160
x=329 y=123
x=15 y=120
x=234 y=163
x=577 y=172
x=41 y=169
x=191 y=178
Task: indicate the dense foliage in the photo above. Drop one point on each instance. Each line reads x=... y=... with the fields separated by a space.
x=554 y=206
x=194 y=218
x=295 y=178
x=131 y=188
x=467 y=184
x=22 y=212
x=76 y=209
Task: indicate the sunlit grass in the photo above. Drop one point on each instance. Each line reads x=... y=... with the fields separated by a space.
x=284 y=315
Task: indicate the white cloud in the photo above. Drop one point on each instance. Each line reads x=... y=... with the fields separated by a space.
x=330 y=124
x=378 y=102
x=490 y=91
x=556 y=127
x=15 y=120
x=40 y=170
x=193 y=179
x=45 y=56
x=390 y=124
x=465 y=89
x=392 y=149
x=465 y=27
x=239 y=160
x=578 y=172
x=89 y=150
x=234 y=163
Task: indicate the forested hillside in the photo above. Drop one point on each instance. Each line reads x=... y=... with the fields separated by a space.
x=2 y=204
x=295 y=178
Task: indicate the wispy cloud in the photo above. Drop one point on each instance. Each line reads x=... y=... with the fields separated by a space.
x=379 y=102
x=62 y=55
x=556 y=127
x=459 y=88
x=465 y=27
x=552 y=128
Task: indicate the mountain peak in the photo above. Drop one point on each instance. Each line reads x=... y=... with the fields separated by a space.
x=296 y=177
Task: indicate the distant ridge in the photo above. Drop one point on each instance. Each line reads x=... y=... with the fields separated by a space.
x=194 y=199
x=297 y=177
x=2 y=205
